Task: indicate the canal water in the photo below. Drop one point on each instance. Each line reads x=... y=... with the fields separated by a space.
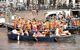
x=6 y=44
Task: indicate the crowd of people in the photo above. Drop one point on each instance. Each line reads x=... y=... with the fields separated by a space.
x=40 y=28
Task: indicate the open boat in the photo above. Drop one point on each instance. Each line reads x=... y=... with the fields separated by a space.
x=51 y=38
x=30 y=38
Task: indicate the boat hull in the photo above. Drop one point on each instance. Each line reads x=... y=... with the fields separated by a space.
x=42 y=39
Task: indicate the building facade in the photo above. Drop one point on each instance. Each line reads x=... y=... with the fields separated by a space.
x=42 y=4
x=2 y=2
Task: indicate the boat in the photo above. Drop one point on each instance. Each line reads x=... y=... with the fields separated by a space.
x=65 y=38
x=52 y=38
x=72 y=29
x=30 y=38
x=21 y=38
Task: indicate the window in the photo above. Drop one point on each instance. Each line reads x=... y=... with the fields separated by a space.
x=77 y=1
x=40 y=1
x=2 y=0
x=70 y=1
x=11 y=0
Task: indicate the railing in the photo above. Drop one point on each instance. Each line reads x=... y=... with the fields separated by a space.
x=77 y=5
x=49 y=7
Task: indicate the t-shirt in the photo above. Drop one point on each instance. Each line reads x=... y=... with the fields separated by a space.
x=28 y=26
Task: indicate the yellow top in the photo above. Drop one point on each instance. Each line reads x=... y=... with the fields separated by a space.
x=28 y=26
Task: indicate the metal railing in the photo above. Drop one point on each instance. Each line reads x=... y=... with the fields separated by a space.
x=48 y=7
x=77 y=5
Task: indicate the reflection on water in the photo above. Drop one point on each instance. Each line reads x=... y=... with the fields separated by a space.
x=41 y=45
x=6 y=44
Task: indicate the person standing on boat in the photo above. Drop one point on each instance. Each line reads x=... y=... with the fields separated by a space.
x=59 y=31
x=34 y=26
x=15 y=22
x=23 y=23
x=39 y=25
x=20 y=26
x=28 y=28
x=51 y=26
x=65 y=25
x=54 y=23
x=47 y=24
x=19 y=23
x=46 y=28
